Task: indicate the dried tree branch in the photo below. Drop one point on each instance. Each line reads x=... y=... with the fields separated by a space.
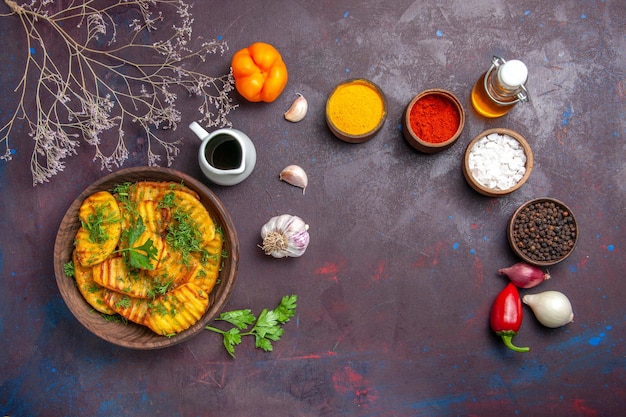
x=95 y=87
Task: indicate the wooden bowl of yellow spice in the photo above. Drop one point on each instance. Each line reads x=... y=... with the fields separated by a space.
x=356 y=110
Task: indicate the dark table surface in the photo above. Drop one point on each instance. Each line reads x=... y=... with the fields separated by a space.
x=396 y=286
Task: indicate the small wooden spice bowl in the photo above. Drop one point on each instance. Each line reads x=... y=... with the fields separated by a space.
x=345 y=110
x=131 y=335
x=543 y=231
x=426 y=146
x=493 y=192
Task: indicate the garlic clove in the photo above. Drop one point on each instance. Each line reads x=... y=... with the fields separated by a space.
x=298 y=109
x=295 y=175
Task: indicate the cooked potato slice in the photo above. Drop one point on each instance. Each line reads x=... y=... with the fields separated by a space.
x=92 y=292
x=89 y=253
x=172 y=268
x=206 y=277
x=115 y=275
x=177 y=310
x=154 y=190
x=186 y=204
x=100 y=203
x=155 y=218
x=209 y=270
x=131 y=308
x=100 y=228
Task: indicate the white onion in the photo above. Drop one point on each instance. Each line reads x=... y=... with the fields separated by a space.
x=552 y=308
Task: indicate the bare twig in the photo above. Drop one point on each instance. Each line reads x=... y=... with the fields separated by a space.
x=95 y=87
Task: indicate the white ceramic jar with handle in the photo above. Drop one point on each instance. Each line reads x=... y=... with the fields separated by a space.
x=226 y=156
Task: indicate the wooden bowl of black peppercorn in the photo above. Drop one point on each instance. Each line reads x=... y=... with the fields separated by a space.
x=543 y=231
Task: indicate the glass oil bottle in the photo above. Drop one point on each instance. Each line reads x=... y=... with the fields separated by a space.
x=499 y=89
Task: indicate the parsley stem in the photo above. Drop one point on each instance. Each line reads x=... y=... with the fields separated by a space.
x=215 y=329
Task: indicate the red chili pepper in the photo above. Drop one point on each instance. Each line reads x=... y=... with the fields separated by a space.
x=506 y=316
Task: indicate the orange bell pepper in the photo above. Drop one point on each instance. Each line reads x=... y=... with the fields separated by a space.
x=260 y=73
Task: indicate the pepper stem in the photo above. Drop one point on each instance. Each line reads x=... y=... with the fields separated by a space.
x=506 y=338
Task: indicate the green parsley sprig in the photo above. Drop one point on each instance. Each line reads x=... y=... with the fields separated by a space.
x=267 y=328
x=139 y=256
x=68 y=269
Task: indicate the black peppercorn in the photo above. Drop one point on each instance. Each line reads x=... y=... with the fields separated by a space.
x=544 y=231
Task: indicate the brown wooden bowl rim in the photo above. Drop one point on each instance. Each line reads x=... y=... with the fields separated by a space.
x=488 y=191
x=346 y=137
x=132 y=335
x=511 y=239
x=430 y=145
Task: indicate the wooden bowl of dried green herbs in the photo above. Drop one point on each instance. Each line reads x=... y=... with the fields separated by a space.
x=113 y=327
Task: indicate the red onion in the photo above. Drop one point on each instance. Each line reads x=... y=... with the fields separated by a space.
x=525 y=275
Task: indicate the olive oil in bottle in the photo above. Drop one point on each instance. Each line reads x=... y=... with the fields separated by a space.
x=498 y=90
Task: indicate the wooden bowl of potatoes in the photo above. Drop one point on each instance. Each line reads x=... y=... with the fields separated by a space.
x=145 y=257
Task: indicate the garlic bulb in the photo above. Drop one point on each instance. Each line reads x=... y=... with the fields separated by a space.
x=552 y=308
x=285 y=235
x=298 y=109
x=296 y=176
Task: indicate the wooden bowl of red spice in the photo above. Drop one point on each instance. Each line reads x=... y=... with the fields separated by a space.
x=356 y=110
x=433 y=121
